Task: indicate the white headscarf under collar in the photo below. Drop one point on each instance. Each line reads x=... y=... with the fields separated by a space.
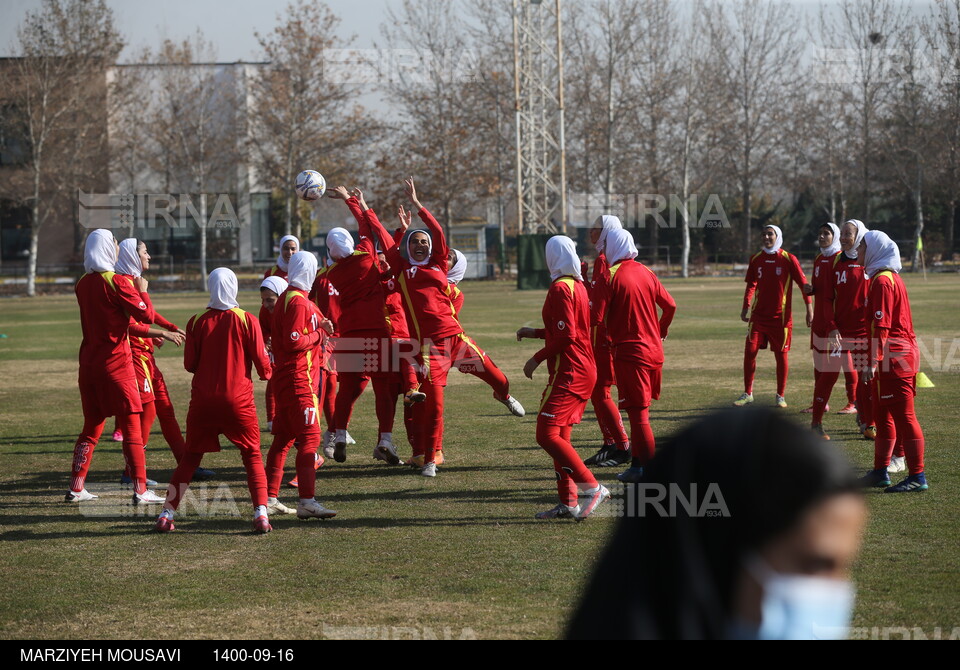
x=459 y=269
x=303 y=270
x=99 y=252
x=609 y=223
x=129 y=262
x=275 y=284
x=835 y=245
x=562 y=259
x=778 y=243
x=882 y=253
x=282 y=264
x=620 y=246
x=339 y=243
x=861 y=231
x=222 y=284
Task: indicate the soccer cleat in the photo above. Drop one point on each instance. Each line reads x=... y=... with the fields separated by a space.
x=745 y=399
x=818 y=429
x=274 y=506
x=312 y=509
x=126 y=480
x=438 y=457
x=608 y=457
x=148 y=497
x=329 y=439
x=79 y=496
x=164 y=525
x=781 y=402
x=850 y=408
x=897 y=464
x=808 y=410
x=261 y=525
x=118 y=436
x=631 y=475
x=415 y=461
x=350 y=440
x=870 y=433
x=513 y=405
x=340 y=452
x=596 y=497
x=429 y=470
x=387 y=451
x=561 y=511
x=917 y=482
x=875 y=479
x=413 y=396
x=269 y=426
x=202 y=475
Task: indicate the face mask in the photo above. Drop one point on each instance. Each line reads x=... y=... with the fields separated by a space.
x=800 y=607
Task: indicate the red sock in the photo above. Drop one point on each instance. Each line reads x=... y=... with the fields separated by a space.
x=306 y=465
x=83 y=451
x=642 y=442
x=182 y=477
x=821 y=394
x=386 y=390
x=329 y=398
x=750 y=350
x=850 y=378
x=146 y=423
x=608 y=416
x=276 y=458
x=783 y=369
x=256 y=475
x=570 y=470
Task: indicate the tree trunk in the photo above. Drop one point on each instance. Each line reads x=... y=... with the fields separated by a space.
x=685 y=224
x=918 y=203
x=34 y=231
x=203 y=240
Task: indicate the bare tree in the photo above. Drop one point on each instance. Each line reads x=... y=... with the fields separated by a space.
x=193 y=125
x=303 y=112
x=56 y=88
x=758 y=49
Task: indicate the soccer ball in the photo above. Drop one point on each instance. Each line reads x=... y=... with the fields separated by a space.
x=310 y=185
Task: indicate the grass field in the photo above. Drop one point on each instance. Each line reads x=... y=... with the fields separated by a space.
x=458 y=556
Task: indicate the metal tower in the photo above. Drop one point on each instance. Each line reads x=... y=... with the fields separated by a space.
x=538 y=87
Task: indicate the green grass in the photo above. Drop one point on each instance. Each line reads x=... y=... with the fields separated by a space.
x=460 y=555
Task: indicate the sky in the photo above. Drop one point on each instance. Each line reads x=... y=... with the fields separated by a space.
x=227 y=24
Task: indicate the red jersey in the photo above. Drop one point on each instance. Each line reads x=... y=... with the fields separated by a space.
x=822 y=298
x=357 y=278
x=424 y=287
x=221 y=346
x=568 y=352
x=107 y=303
x=628 y=304
x=297 y=342
x=275 y=271
x=892 y=339
x=326 y=297
x=769 y=287
x=848 y=297
x=456 y=298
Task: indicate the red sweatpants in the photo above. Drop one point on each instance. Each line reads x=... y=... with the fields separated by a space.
x=897 y=423
x=132 y=450
x=570 y=471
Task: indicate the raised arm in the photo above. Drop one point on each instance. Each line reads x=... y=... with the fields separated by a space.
x=440 y=250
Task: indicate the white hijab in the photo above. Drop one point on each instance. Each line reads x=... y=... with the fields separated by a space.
x=99 y=252
x=339 y=243
x=406 y=245
x=275 y=284
x=129 y=262
x=777 y=244
x=882 y=253
x=609 y=223
x=282 y=264
x=835 y=245
x=861 y=231
x=459 y=269
x=222 y=284
x=620 y=246
x=303 y=270
x=562 y=259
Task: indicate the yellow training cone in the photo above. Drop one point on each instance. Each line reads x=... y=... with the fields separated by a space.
x=923 y=381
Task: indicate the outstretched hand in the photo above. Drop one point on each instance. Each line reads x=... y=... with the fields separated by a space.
x=411 y=189
x=529 y=368
x=358 y=194
x=405 y=219
x=526 y=332
x=339 y=193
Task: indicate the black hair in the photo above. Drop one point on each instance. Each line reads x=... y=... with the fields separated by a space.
x=673 y=577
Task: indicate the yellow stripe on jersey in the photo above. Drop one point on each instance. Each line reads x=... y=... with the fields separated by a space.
x=569 y=283
x=242 y=316
x=472 y=345
x=411 y=313
x=546 y=396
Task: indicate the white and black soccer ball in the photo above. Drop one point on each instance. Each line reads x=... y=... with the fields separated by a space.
x=310 y=185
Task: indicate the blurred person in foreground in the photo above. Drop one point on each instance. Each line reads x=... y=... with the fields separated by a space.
x=765 y=553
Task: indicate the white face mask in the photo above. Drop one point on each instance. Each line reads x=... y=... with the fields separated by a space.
x=801 y=607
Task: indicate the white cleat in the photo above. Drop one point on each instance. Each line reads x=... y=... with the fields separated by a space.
x=329 y=439
x=429 y=470
x=387 y=451
x=81 y=496
x=350 y=440
x=312 y=509
x=593 y=499
x=148 y=497
x=514 y=406
x=745 y=399
x=274 y=506
x=897 y=464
